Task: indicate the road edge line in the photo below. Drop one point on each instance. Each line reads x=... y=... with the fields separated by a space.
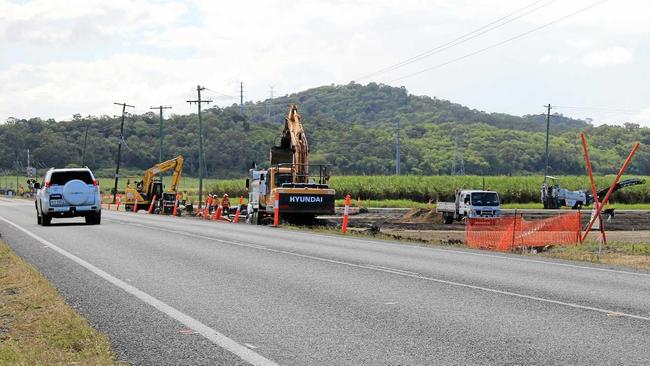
x=212 y=335
x=402 y=273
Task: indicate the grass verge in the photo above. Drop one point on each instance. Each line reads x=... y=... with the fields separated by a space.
x=633 y=255
x=37 y=327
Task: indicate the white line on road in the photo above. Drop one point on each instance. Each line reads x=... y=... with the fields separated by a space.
x=215 y=337
x=454 y=251
x=398 y=272
x=393 y=269
x=496 y=256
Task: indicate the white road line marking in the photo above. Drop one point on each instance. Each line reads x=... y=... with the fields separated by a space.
x=207 y=332
x=390 y=303
x=250 y=346
x=462 y=252
x=504 y=257
x=418 y=276
x=393 y=269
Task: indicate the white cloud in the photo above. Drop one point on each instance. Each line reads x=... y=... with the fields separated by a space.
x=57 y=60
x=612 y=56
x=553 y=59
x=643 y=117
x=44 y=21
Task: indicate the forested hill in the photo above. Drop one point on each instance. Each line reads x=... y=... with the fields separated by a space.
x=352 y=127
x=375 y=104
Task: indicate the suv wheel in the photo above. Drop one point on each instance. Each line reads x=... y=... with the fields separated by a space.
x=94 y=218
x=46 y=220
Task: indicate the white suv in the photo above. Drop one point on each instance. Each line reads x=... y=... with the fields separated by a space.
x=68 y=193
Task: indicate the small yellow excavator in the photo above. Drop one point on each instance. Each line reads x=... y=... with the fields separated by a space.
x=301 y=196
x=152 y=185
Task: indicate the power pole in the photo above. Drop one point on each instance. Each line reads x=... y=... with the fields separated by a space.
x=161 y=132
x=548 y=127
x=270 y=102
x=83 y=153
x=458 y=160
x=119 y=148
x=241 y=99
x=397 y=150
x=198 y=101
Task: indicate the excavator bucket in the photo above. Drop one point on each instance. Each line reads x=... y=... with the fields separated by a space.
x=281 y=155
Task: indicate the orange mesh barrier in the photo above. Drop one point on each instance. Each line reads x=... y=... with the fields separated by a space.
x=513 y=232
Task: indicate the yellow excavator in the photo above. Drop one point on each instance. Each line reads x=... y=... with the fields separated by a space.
x=151 y=185
x=302 y=196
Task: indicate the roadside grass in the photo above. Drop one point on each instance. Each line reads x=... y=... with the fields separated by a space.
x=634 y=255
x=37 y=327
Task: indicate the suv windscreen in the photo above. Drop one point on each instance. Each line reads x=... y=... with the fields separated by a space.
x=61 y=178
x=485 y=199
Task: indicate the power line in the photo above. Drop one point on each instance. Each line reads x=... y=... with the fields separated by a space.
x=218 y=93
x=598 y=109
x=463 y=38
x=494 y=45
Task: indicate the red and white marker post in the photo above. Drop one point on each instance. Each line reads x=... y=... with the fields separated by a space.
x=150 y=210
x=119 y=201
x=241 y=202
x=344 y=227
x=276 y=209
x=135 y=206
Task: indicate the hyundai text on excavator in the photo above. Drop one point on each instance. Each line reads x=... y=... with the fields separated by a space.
x=152 y=185
x=302 y=196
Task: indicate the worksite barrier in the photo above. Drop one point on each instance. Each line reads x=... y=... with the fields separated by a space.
x=175 y=209
x=344 y=227
x=241 y=202
x=153 y=201
x=514 y=232
x=276 y=209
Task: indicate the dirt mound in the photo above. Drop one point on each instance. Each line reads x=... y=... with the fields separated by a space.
x=421 y=216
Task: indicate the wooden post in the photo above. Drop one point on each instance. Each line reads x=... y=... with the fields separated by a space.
x=611 y=189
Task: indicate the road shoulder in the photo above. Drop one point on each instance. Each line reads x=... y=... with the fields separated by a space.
x=37 y=326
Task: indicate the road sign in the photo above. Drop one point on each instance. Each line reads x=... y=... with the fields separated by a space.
x=31 y=171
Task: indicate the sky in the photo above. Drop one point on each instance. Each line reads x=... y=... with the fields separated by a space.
x=60 y=58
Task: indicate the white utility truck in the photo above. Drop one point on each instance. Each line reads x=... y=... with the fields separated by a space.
x=470 y=203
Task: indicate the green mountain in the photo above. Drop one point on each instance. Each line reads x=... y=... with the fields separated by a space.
x=352 y=127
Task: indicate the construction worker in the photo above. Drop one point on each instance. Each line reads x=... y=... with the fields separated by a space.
x=184 y=197
x=225 y=203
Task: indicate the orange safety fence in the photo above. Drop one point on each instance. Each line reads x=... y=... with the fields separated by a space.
x=514 y=232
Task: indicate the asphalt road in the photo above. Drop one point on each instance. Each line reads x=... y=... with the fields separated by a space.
x=184 y=292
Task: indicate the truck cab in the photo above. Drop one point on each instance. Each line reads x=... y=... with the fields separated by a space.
x=470 y=204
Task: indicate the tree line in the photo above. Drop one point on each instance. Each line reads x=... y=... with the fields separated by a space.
x=352 y=127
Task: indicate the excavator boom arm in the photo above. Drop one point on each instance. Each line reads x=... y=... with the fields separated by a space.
x=294 y=148
x=176 y=164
